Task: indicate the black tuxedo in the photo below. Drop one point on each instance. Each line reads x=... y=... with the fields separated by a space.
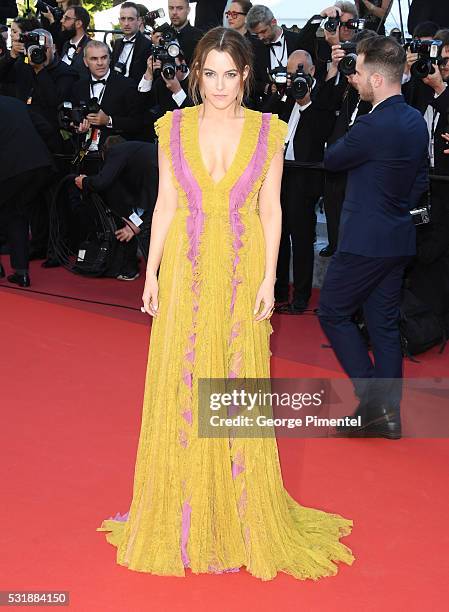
x=78 y=59
x=120 y=101
x=209 y=14
x=133 y=167
x=301 y=189
x=142 y=50
x=188 y=37
x=335 y=182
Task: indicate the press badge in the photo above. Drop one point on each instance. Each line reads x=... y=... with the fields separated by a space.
x=135 y=219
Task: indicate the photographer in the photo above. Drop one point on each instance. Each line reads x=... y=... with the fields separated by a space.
x=186 y=35
x=118 y=109
x=42 y=81
x=165 y=94
x=75 y=22
x=130 y=53
x=128 y=182
x=51 y=14
x=19 y=26
x=309 y=110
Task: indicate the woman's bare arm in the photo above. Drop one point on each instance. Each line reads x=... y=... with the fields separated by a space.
x=164 y=210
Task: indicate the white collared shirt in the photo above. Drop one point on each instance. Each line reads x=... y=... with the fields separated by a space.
x=279 y=55
x=293 y=122
x=126 y=56
x=70 y=53
x=146 y=86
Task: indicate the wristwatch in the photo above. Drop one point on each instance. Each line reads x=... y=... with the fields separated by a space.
x=109 y=123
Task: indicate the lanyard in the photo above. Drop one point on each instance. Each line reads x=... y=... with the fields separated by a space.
x=131 y=44
x=92 y=92
x=284 y=47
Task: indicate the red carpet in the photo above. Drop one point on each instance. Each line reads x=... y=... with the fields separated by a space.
x=72 y=378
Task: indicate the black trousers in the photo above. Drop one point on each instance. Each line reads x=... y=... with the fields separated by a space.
x=298 y=226
x=17 y=194
x=334 y=195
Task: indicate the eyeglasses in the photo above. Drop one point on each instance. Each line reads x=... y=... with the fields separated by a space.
x=233 y=14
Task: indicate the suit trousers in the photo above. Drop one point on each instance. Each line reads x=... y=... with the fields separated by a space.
x=17 y=193
x=373 y=284
x=298 y=226
x=334 y=195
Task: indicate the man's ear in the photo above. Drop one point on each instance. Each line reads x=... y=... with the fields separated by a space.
x=312 y=70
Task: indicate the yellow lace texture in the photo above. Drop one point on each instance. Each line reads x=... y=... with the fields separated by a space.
x=212 y=504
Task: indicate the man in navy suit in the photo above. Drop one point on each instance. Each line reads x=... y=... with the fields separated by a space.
x=385 y=155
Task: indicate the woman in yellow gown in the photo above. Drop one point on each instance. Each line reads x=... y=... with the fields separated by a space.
x=215 y=504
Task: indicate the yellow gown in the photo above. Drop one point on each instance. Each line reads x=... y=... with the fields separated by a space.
x=214 y=504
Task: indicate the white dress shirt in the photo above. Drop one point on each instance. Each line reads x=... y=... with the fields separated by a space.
x=127 y=53
x=71 y=52
x=279 y=53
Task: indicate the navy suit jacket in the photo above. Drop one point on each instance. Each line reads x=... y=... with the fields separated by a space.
x=386 y=156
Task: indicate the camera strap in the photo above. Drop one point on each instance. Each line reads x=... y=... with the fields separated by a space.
x=131 y=44
x=93 y=94
x=284 y=48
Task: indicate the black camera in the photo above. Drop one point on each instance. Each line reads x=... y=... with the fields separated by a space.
x=41 y=7
x=278 y=76
x=429 y=52
x=35 y=46
x=347 y=64
x=301 y=83
x=333 y=23
x=70 y=116
x=151 y=17
x=166 y=52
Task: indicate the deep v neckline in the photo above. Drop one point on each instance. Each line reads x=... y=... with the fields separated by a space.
x=237 y=152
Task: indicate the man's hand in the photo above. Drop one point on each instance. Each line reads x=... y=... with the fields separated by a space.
x=17 y=49
x=332 y=38
x=152 y=65
x=79 y=180
x=99 y=118
x=435 y=81
x=337 y=54
x=83 y=127
x=445 y=137
x=411 y=59
x=332 y=11
x=49 y=16
x=172 y=85
x=126 y=233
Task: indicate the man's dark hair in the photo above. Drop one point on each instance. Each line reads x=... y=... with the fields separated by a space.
x=131 y=5
x=111 y=141
x=142 y=10
x=82 y=15
x=426 y=29
x=385 y=56
x=443 y=35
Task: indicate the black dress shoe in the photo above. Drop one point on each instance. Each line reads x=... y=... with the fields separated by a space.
x=299 y=305
x=51 y=262
x=327 y=252
x=23 y=280
x=2 y=271
x=383 y=423
x=282 y=308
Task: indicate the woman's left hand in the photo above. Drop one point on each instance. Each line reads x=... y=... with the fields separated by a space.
x=265 y=299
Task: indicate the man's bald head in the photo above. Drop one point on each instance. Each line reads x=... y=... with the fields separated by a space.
x=300 y=57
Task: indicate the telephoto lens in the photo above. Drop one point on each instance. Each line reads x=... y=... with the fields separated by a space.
x=348 y=63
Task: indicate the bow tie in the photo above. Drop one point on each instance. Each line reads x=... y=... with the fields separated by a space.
x=276 y=44
x=100 y=81
x=71 y=46
x=131 y=41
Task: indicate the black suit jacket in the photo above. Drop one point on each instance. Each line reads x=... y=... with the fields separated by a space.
x=142 y=50
x=428 y=10
x=209 y=14
x=348 y=98
x=78 y=59
x=420 y=96
x=135 y=166
x=8 y=9
x=26 y=149
x=188 y=38
x=120 y=101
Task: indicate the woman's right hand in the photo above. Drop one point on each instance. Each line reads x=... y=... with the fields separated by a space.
x=150 y=295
